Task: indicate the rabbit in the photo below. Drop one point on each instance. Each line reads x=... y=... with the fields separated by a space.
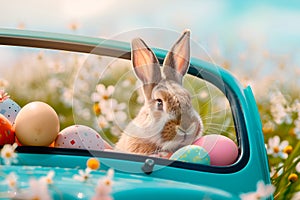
x=167 y=121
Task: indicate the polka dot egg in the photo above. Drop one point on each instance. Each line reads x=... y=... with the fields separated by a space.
x=192 y=154
x=9 y=109
x=79 y=137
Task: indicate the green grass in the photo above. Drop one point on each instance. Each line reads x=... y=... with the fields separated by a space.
x=50 y=78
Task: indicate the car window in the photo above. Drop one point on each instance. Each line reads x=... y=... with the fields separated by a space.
x=104 y=94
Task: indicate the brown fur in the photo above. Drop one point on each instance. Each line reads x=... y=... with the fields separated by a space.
x=138 y=145
x=174 y=124
x=169 y=130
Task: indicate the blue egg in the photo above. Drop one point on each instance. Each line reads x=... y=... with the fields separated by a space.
x=9 y=109
x=192 y=154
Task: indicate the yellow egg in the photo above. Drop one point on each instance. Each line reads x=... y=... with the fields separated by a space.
x=36 y=124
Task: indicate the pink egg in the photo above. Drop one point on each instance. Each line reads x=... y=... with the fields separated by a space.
x=79 y=137
x=222 y=150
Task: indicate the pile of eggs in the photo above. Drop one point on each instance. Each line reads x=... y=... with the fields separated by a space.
x=213 y=149
x=37 y=124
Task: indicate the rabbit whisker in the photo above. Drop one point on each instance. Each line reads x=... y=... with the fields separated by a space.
x=213 y=117
x=219 y=111
x=220 y=130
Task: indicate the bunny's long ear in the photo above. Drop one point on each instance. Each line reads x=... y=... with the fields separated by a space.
x=146 y=65
x=177 y=60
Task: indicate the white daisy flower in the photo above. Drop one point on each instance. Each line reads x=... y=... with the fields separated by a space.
x=280 y=110
x=276 y=148
x=126 y=83
x=102 y=122
x=49 y=178
x=115 y=111
x=104 y=187
x=83 y=175
x=11 y=180
x=262 y=191
x=116 y=130
x=102 y=93
x=277 y=171
x=38 y=189
x=8 y=153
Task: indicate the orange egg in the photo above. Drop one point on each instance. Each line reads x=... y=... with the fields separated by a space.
x=7 y=134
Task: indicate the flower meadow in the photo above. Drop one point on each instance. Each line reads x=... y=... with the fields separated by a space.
x=44 y=187
x=103 y=93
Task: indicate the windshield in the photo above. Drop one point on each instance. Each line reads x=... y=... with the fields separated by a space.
x=96 y=98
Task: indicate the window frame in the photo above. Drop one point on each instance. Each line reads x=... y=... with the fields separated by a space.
x=201 y=69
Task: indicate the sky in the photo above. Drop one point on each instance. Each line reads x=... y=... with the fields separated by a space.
x=275 y=21
x=228 y=24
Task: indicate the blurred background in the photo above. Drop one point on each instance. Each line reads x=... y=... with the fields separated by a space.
x=257 y=41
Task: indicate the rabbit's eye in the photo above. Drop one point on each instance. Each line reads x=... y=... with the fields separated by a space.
x=159 y=104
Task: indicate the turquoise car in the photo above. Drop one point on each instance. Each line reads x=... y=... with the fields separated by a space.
x=140 y=176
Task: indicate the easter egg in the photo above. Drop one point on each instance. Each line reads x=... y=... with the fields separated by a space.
x=36 y=124
x=221 y=150
x=7 y=135
x=192 y=154
x=9 y=109
x=79 y=137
